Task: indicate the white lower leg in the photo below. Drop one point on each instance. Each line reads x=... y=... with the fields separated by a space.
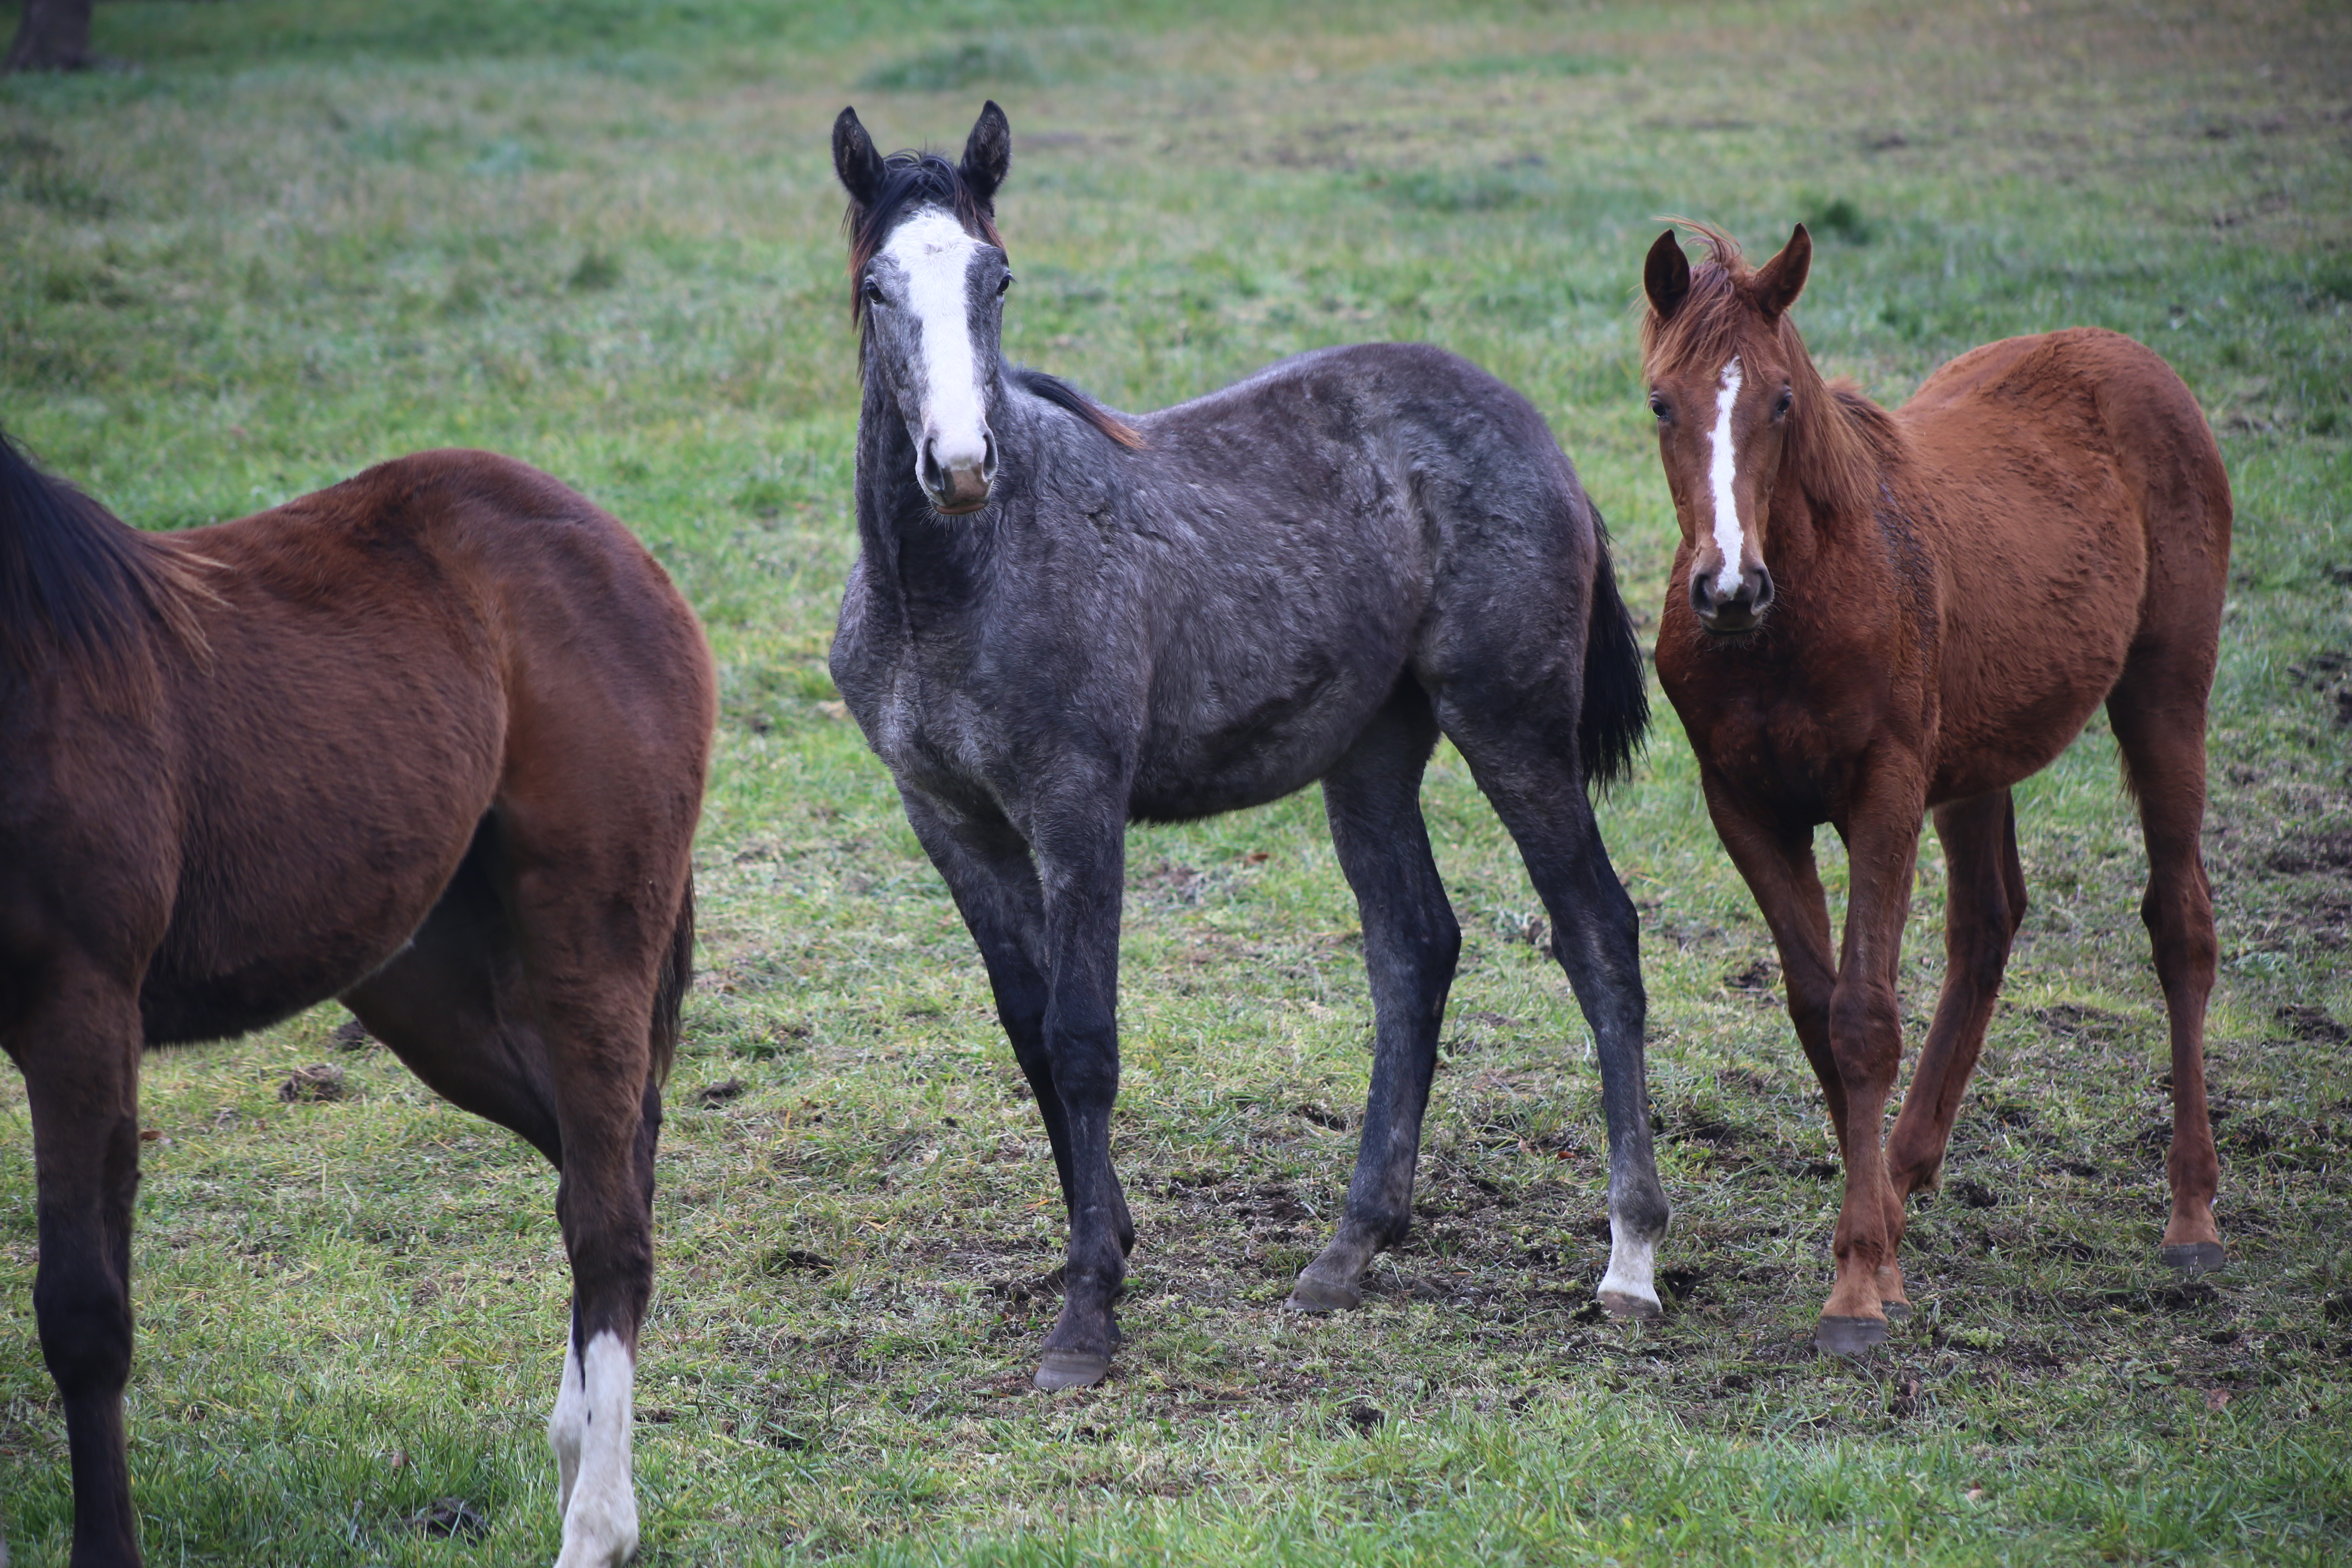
x=600 y=1504
x=1629 y=1286
x=568 y=1422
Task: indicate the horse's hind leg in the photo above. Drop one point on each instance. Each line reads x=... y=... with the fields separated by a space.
x=594 y=966
x=1537 y=789
x=1984 y=903
x=79 y=1051
x=2158 y=712
x=529 y=997
x=1411 y=943
x=453 y=1007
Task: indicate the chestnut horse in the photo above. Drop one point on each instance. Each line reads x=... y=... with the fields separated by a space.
x=1876 y=615
x=432 y=742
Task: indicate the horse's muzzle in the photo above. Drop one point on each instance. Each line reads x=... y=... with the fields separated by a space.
x=1741 y=610
x=953 y=491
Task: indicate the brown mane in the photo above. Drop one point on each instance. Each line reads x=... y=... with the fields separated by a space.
x=1841 y=444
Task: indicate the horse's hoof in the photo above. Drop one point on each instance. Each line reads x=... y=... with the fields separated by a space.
x=1635 y=1309
x=1848 y=1336
x=2194 y=1256
x=1312 y=1295
x=1071 y=1369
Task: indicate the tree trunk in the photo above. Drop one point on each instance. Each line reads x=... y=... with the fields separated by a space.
x=53 y=36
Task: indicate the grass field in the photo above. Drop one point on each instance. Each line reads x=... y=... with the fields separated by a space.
x=299 y=238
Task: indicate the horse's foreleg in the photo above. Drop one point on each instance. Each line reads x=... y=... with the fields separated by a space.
x=1776 y=859
x=1984 y=903
x=79 y=1054
x=989 y=871
x=1080 y=865
x=1411 y=943
x=1866 y=1043
x=2159 y=726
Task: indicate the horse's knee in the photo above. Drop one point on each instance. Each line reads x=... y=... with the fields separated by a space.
x=84 y=1318
x=2179 y=922
x=1865 y=1033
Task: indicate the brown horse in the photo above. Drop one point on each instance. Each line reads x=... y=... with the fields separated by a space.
x=432 y=742
x=1875 y=615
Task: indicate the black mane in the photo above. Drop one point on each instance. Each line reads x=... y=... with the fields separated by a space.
x=1063 y=396
x=75 y=581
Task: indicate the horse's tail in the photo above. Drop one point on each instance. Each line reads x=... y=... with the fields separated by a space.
x=669 y=990
x=1616 y=712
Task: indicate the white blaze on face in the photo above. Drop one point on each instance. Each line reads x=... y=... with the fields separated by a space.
x=590 y=1430
x=1720 y=473
x=935 y=254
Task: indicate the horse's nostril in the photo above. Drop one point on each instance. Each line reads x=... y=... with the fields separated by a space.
x=1763 y=587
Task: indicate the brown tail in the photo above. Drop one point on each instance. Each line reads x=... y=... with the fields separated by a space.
x=669 y=993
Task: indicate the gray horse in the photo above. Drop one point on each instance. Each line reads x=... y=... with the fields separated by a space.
x=1062 y=621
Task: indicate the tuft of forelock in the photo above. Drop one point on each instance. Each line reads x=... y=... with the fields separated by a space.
x=911 y=181
x=1839 y=441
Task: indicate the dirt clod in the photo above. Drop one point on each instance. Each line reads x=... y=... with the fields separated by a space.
x=2313 y=1024
x=1974 y=1194
x=450 y=1517
x=320 y=1081
x=718 y=1093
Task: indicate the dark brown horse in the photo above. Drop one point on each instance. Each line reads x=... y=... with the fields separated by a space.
x=1876 y=615
x=432 y=742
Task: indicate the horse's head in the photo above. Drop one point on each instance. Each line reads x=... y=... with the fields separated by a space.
x=930 y=275
x=1727 y=372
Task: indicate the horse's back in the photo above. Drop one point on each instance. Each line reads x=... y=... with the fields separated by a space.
x=384 y=662
x=1352 y=515
x=2095 y=422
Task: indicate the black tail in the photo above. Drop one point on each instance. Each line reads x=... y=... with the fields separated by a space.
x=670 y=991
x=1616 y=714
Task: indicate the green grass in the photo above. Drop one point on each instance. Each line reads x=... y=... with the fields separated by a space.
x=301 y=237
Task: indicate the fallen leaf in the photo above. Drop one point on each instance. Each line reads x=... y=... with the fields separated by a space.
x=2215 y=1398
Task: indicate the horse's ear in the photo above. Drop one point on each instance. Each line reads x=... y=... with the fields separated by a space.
x=988 y=154
x=855 y=160
x=1665 y=276
x=1779 y=280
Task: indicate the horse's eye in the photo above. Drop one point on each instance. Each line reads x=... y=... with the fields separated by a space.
x=873 y=291
x=1782 y=406
x=1003 y=284
x=1658 y=405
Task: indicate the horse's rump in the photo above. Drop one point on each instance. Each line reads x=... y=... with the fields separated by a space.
x=380 y=664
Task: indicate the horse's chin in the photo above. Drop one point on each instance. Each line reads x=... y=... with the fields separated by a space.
x=1733 y=636
x=965 y=510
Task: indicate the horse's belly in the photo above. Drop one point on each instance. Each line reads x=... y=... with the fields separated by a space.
x=2011 y=706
